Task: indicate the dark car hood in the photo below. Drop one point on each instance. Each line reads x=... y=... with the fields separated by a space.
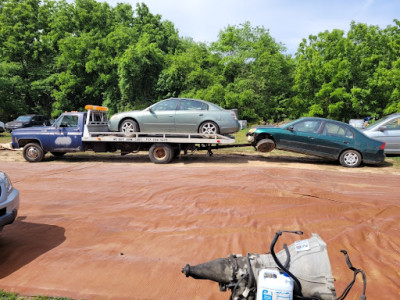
x=16 y=123
x=30 y=129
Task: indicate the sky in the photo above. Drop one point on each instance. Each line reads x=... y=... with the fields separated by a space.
x=288 y=21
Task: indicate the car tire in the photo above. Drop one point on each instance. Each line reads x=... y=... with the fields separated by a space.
x=58 y=154
x=350 y=158
x=265 y=145
x=33 y=152
x=128 y=127
x=161 y=153
x=209 y=127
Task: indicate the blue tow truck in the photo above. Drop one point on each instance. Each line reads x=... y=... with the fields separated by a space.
x=83 y=131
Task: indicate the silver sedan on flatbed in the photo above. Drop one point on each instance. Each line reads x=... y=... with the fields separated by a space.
x=177 y=115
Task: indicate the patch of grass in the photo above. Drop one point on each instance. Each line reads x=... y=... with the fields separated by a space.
x=14 y=296
x=5 y=137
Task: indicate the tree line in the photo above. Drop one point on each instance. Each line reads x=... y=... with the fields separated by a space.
x=57 y=56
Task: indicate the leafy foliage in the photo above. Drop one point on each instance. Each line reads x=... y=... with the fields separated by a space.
x=57 y=56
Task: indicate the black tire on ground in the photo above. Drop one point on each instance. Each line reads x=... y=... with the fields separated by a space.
x=209 y=127
x=161 y=153
x=33 y=152
x=128 y=127
x=265 y=145
x=58 y=154
x=350 y=158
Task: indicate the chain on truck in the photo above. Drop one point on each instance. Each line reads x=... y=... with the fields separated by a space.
x=88 y=131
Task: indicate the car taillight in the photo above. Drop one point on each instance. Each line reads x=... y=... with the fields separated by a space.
x=382 y=146
x=234 y=116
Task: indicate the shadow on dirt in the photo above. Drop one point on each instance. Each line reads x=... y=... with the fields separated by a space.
x=199 y=157
x=22 y=242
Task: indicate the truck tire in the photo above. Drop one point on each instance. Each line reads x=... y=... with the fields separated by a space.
x=161 y=153
x=209 y=127
x=128 y=127
x=33 y=152
x=350 y=158
x=265 y=145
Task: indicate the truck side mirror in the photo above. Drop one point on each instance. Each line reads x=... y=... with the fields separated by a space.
x=382 y=128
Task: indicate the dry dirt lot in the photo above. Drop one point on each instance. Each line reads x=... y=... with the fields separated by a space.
x=109 y=227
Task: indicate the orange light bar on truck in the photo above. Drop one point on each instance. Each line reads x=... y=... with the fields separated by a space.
x=95 y=107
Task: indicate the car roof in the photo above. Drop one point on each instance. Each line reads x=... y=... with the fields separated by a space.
x=172 y=98
x=324 y=119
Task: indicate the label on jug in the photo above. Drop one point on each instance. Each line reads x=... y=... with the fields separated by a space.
x=275 y=295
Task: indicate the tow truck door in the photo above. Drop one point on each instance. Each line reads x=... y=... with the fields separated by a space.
x=66 y=133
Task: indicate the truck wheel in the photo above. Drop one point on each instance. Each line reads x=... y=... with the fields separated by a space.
x=265 y=145
x=58 y=154
x=209 y=127
x=128 y=127
x=32 y=152
x=350 y=158
x=161 y=153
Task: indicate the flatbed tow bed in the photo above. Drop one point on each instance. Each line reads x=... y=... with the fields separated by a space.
x=83 y=131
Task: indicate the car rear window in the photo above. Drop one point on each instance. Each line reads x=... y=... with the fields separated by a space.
x=192 y=105
x=331 y=129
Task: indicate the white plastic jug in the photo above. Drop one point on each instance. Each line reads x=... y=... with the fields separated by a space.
x=273 y=285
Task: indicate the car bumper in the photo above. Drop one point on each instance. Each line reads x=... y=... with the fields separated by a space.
x=8 y=207
x=374 y=158
x=226 y=127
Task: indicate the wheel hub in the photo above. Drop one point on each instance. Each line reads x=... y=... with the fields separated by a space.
x=159 y=153
x=351 y=159
x=32 y=153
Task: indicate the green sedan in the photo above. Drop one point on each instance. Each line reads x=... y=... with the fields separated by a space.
x=320 y=137
x=177 y=115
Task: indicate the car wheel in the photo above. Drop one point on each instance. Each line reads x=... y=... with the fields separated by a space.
x=265 y=145
x=32 y=152
x=161 y=153
x=128 y=127
x=58 y=154
x=350 y=159
x=209 y=127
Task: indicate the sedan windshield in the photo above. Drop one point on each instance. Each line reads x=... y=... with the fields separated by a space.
x=378 y=123
x=23 y=118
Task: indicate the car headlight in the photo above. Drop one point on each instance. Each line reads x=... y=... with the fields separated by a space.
x=113 y=117
x=7 y=182
x=252 y=130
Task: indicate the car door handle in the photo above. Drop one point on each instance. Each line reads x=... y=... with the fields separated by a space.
x=345 y=142
x=201 y=115
x=311 y=138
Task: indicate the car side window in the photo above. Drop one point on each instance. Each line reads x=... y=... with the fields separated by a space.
x=311 y=126
x=165 y=105
x=331 y=129
x=393 y=124
x=192 y=105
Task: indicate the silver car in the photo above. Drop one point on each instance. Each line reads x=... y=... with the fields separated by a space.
x=177 y=115
x=386 y=130
x=9 y=201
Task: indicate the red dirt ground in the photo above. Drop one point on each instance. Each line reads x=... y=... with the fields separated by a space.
x=94 y=227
